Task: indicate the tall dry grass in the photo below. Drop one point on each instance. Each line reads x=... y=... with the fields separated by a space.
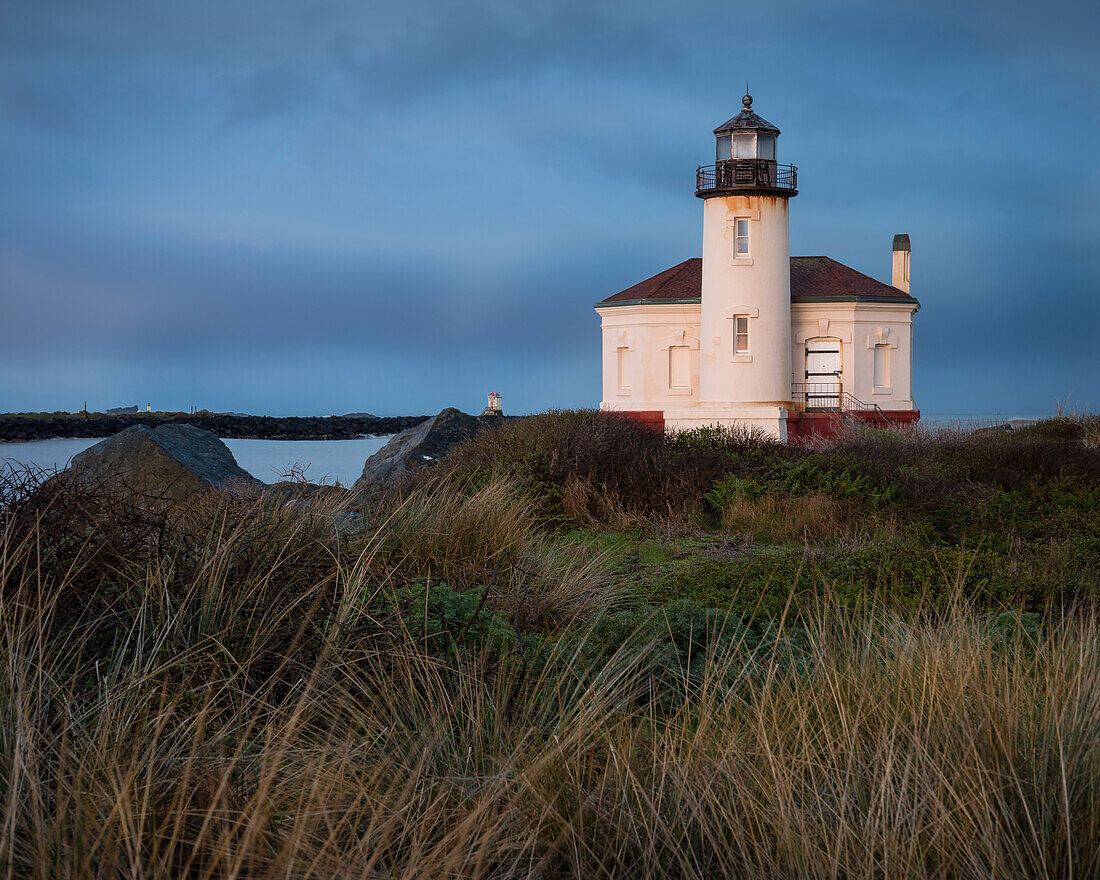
x=229 y=708
x=484 y=535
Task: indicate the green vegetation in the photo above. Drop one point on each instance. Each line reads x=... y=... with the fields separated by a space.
x=733 y=521
x=576 y=648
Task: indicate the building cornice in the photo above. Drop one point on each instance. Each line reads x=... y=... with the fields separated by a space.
x=908 y=301
x=691 y=301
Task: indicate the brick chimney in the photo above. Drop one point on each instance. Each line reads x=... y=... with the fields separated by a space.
x=900 y=278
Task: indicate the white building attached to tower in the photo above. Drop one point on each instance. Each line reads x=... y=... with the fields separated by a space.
x=749 y=334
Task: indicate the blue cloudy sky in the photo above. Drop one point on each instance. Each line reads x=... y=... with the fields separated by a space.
x=317 y=207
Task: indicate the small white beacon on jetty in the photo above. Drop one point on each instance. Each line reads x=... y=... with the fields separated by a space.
x=494 y=407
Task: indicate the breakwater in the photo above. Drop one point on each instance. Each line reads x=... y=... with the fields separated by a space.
x=232 y=427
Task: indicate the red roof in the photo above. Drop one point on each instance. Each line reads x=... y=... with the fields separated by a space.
x=820 y=279
x=683 y=281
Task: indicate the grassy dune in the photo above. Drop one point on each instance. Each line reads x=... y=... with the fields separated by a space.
x=575 y=649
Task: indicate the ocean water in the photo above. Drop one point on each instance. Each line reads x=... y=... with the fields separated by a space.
x=981 y=420
x=321 y=461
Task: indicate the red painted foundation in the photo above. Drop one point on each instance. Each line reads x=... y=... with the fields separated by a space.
x=801 y=425
x=651 y=418
x=811 y=425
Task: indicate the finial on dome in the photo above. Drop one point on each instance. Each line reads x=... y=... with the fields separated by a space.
x=747 y=100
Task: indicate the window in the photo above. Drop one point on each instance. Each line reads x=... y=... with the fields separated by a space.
x=882 y=366
x=741 y=248
x=765 y=146
x=723 y=147
x=679 y=367
x=741 y=334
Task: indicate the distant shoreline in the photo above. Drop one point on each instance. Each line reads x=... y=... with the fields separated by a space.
x=22 y=428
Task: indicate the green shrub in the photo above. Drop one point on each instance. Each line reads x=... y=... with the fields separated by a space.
x=804 y=476
x=584 y=466
x=445 y=620
x=731 y=488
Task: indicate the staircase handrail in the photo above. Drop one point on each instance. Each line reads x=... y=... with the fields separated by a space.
x=850 y=403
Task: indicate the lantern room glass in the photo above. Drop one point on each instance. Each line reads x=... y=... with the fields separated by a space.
x=744 y=146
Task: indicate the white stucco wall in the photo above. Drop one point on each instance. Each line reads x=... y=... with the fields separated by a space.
x=859 y=327
x=758 y=285
x=644 y=334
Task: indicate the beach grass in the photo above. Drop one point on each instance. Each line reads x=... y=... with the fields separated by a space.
x=626 y=655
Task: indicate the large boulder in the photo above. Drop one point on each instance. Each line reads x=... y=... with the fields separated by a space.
x=168 y=463
x=423 y=445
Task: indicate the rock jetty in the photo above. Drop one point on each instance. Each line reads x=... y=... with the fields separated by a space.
x=225 y=425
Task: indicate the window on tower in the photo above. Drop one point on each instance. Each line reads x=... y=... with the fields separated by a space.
x=742 y=233
x=741 y=334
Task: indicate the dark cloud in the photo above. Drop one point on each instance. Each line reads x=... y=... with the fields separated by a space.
x=306 y=203
x=461 y=43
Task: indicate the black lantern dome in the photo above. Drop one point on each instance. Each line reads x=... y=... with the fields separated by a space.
x=746 y=136
x=745 y=159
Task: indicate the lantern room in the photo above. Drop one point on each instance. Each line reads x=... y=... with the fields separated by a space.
x=745 y=159
x=746 y=136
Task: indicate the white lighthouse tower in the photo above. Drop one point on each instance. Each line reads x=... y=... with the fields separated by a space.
x=745 y=338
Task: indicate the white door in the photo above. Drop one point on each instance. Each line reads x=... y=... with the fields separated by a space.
x=823 y=374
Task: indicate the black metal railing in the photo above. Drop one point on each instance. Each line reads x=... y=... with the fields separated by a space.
x=745 y=174
x=849 y=404
x=817 y=395
x=831 y=397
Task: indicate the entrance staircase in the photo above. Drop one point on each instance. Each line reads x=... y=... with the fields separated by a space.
x=854 y=409
x=830 y=397
x=822 y=409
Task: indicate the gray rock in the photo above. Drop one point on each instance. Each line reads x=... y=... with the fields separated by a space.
x=122 y=410
x=169 y=463
x=363 y=415
x=990 y=430
x=417 y=447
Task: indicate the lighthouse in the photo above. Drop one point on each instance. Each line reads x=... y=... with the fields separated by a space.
x=748 y=335
x=745 y=345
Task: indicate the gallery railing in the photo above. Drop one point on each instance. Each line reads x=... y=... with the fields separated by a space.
x=734 y=174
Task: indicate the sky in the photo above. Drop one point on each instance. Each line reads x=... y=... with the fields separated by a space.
x=343 y=206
